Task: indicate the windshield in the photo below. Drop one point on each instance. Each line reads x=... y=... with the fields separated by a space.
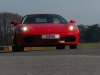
x=31 y=19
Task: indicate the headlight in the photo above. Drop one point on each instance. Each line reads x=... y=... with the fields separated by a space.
x=24 y=28
x=72 y=27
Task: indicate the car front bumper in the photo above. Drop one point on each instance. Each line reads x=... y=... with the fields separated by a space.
x=36 y=40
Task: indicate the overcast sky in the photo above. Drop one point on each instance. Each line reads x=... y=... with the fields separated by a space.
x=83 y=11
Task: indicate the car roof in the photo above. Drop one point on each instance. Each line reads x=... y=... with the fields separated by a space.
x=41 y=14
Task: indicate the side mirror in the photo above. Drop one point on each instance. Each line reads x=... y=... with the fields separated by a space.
x=14 y=22
x=72 y=21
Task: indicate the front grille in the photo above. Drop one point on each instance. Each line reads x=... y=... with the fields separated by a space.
x=50 y=41
x=68 y=39
x=32 y=39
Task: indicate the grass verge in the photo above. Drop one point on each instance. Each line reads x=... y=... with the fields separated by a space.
x=89 y=45
x=80 y=46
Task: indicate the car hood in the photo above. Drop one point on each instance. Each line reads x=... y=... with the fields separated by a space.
x=48 y=28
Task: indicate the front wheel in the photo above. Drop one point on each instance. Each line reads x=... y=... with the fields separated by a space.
x=60 y=47
x=17 y=48
x=73 y=46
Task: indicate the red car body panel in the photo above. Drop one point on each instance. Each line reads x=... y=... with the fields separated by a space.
x=33 y=36
x=47 y=29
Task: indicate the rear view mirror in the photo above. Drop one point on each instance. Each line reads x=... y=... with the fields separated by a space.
x=72 y=21
x=14 y=22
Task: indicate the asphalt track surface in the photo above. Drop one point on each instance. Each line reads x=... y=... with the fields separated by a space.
x=51 y=62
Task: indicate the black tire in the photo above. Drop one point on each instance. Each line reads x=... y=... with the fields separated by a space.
x=73 y=46
x=16 y=48
x=58 y=47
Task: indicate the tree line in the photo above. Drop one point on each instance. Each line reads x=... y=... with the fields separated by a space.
x=88 y=33
x=6 y=27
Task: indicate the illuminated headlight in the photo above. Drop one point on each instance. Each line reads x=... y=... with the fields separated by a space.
x=24 y=28
x=72 y=27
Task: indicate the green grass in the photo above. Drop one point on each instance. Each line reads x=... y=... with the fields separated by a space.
x=89 y=45
x=80 y=46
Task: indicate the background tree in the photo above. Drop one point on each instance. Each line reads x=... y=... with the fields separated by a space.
x=92 y=34
x=82 y=29
x=89 y=33
x=5 y=27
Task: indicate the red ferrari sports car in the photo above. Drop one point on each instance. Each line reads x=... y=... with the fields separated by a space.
x=44 y=30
